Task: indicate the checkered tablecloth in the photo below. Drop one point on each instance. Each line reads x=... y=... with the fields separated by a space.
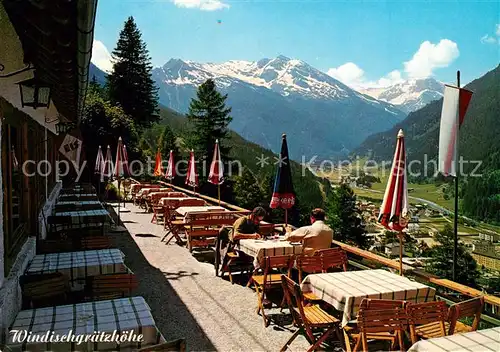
x=198 y=209
x=67 y=195
x=78 y=215
x=345 y=290
x=268 y=248
x=477 y=341
x=79 y=265
x=167 y=200
x=83 y=202
x=124 y=315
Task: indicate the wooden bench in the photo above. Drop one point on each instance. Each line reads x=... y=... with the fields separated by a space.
x=134 y=190
x=202 y=229
x=153 y=198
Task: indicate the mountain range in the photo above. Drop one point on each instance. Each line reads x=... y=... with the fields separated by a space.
x=409 y=95
x=478 y=134
x=320 y=115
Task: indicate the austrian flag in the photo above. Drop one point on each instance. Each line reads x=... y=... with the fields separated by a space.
x=455 y=103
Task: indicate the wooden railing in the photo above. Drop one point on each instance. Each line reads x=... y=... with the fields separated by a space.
x=377 y=259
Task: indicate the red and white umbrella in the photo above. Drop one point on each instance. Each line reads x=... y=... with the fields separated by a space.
x=216 y=175
x=99 y=162
x=120 y=161
x=192 y=176
x=170 y=172
x=108 y=164
x=126 y=169
x=394 y=210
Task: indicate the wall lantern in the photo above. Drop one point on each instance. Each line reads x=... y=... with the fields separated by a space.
x=34 y=93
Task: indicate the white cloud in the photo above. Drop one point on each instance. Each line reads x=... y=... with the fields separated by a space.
x=488 y=39
x=205 y=5
x=353 y=76
x=348 y=73
x=431 y=56
x=101 y=56
x=492 y=39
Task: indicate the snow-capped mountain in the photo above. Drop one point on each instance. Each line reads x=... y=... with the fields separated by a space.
x=320 y=115
x=409 y=95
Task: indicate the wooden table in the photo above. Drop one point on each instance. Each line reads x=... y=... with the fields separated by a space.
x=166 y=200
x=100 y=215
x=345 y=290
x=185 y=210
x=79 y=265
x=260 y=249
x=125 y=314
x=482 y=340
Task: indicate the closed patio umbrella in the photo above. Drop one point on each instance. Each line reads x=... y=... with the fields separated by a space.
x=192 y=176
x=394 y=210
x=121 y=167
x=158 y=169
x=99 y=168
x=216 y=175
x=170 y=172
x=283 y=193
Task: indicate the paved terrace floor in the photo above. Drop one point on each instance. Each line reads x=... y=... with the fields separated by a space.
x=187 y=299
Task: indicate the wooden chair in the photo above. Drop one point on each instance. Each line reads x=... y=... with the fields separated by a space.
x=55 y=246
x=309 y=319
x=94 y=242
x=60 y=227
x=351 y=330
x=176 y=345
x=470 y=308
x=382 y=324
x=203 y=228
x=93 y=225
x=110 y=286
x=270 y=278
x=44 y=290
x=333 y=258
x=427 y=320
x=310 y=265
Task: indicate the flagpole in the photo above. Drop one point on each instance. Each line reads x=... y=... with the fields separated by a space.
x=455 y=229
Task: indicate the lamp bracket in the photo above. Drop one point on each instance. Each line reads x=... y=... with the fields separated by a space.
x=13 y=73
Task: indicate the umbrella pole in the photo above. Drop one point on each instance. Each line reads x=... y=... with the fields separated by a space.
x=218 y=192
x=401 y=253
x=455 y=220
x=286 y=217
x=119 y=201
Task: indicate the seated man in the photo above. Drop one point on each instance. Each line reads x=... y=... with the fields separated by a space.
x=246 y=227
x=313 y=237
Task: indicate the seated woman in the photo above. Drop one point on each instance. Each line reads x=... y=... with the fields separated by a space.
x=313 y=237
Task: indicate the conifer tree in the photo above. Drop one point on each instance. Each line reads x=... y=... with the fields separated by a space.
x=166 y=141
x=344 y=218
x=210 y=118
x=130 y=83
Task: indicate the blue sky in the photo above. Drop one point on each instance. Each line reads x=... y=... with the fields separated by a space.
x=359 y=43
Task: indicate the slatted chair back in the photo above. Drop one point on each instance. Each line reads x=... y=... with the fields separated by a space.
x=309 y=264
x=44 y=290
x=279 y=262
x=95 y=242
x=176 y=345
x=378 y=304
x=389 y=321
x=267 y=229
x=203 y=227
x=59 y=226
x=333 y=258
x=111 y=286
x=93 y=224
x=191 y=202
x=211 y=218
x=291 y=297
x=471 y=308
x=426 y=313
x=156 y=196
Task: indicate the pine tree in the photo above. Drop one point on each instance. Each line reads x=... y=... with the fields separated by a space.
x=210 y=119
x=442 y=259
x=344 y=217
x=130 y=83
x=166 y=141
x=248 y=193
